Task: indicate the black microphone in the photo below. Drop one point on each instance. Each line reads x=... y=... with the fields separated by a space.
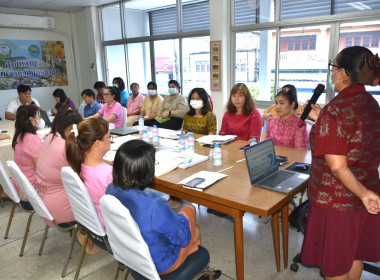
x=317 y=93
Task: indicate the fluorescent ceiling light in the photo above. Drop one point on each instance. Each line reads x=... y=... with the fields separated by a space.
x=359 y=6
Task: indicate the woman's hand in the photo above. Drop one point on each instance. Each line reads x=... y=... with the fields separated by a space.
x=164 y=114
x=267 y=116
x=371 y=201
x=315 y=111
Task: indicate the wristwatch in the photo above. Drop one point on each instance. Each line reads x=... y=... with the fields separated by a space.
x=33 y=103
x=170 y=113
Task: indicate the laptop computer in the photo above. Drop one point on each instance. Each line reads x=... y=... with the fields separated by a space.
x=264 y=171
x=122 y=131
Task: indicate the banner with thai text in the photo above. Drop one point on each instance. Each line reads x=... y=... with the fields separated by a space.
x=31 y=62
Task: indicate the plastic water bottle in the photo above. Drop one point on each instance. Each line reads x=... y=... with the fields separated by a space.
x=190 y=142
x=145 y=136
x=155 y=136
x=254 y=142
x=217 y=155
x=49 y=112
x=181 y=146
x=141 y=125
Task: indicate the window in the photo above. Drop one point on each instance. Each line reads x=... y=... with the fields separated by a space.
x=111 y=22
x=348 y=42
x=139 y=64
x=290 y=45
x=116 y=63
x=375 y=41
x=298 y=45
x=291 y=9
x=254 y=11
x=136 y=21
x=163 y=21
x=357 y=41
x=305 y=44
x=196 y=15
x=366 y=41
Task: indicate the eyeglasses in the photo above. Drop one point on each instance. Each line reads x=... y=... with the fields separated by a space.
x=331 y=65
x=106 y=94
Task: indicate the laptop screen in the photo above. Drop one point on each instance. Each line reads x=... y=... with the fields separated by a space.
x=261 y=160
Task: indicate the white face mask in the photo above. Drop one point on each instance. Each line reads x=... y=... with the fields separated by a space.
x=152 y=92
x=40 y=123
x=196 y=104
x=172 y=91
x=115 y=85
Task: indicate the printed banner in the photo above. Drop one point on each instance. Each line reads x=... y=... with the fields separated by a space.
x=31 y=62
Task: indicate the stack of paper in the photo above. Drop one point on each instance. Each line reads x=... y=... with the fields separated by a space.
x=118 y=141
x=191 y=159
x=166 y=161
x=210 y=178
x=212 y=139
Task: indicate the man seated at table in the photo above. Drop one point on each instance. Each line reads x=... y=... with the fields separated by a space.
x=24 y=98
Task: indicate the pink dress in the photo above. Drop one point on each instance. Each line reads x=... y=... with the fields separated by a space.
x=97 y=179
x=114 y=109
x=25 y=151
x=49 y=185
x=288 y=133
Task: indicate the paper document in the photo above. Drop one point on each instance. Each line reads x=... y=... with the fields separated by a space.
x=191 y=159
x=109 y=156
x=212 y=139
x=166 y=161
x=118 y=141
x=210 y=178
x=170 y=134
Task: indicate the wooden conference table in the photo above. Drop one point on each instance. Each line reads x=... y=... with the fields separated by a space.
x=234 y=195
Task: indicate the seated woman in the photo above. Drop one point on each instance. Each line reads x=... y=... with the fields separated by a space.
x=85 y=149
x=61 y=99
x=120 y=85
x=111 y=111
x=26 y=143
x=241 y=118
x=285 y=129
x=174 y=106
x=200 y=118
x=150 y=105
x=51 y=159
x=134 y=103
x=170 y=237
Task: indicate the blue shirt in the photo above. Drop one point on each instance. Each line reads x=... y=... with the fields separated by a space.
x=90 y=110
x=124 y=97
x=164 y=231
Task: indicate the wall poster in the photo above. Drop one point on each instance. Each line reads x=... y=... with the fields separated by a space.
x=216 y=65
x=32 y=62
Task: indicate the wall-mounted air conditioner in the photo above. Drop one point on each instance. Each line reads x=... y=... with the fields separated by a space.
x=24 y=21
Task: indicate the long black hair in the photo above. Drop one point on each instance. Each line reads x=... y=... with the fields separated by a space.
x=23 y=124
x=61 y=94
x=63 y=119
x=115 y=92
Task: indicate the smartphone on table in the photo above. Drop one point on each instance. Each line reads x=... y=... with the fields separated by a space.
x=194 y=182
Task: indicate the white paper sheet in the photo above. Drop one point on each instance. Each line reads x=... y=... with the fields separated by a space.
x=210 y=178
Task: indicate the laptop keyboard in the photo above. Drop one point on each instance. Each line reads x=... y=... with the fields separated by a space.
x=276 y=179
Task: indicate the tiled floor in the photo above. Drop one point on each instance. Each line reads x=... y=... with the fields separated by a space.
x=217 y=237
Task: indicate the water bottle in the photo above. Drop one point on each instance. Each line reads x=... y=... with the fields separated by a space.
x=155 y=135
x=145 y=136
x=141 y=125
x=49 y=112
x=254 y=142
x=217 y=155
x=190 y=142
x=181 y=146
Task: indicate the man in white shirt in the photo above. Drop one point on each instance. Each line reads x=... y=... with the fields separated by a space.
x=24 y=98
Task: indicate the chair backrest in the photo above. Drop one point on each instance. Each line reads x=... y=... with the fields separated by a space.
x=125 y=115
x=81 y=202
x=27 y=188
x=125 y=238
x=7 y=185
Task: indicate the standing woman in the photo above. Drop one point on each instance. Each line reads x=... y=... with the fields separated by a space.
x=119 y=83
x=241 y=118
x=111 y=111
x=200 y=118
x=343 y=224
x=286 y=129
x=61 y=99
x=26 y=143
x=150 y=105
x=51 y=159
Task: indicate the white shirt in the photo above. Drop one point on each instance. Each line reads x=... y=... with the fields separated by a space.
x=15 y=103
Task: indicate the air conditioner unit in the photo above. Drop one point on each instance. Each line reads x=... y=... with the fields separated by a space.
x=24 y=21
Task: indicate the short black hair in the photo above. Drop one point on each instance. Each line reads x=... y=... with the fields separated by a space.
x=134 y=165
x=61 y=94
x=120 y=83
x=206 y=101
x=99 y=84
x=23 y=88
x=115 y=92
x=63 y=119
x=88 y=92
x=290 y=95
x=177 y=85
x=152 y=84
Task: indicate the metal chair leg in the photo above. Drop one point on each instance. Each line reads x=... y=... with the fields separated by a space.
x=26 y=234
x=1 y=202
x=116 y=275
x=10 y=220
x=126 y=273
x=68 y=257
x=82 y=253
x=43 y=240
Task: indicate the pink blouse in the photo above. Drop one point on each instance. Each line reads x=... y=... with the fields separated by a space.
x=288 y=133
x=96 y=179
x=114 y=109
x=133 y=105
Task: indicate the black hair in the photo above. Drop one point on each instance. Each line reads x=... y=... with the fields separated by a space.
x=290 y=93
x=99 y=84
x=23 y=88
x=61 y=94
x=152 y=84
x=23 y=124
x=352 y=60
x=120 y=83
x=134 y=84
x=134 y=165
x=177 y=85
x=206 y=101
x=88 y=92
x=115 y=92
x=63 y=119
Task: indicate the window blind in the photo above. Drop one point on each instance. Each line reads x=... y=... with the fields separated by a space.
x=163 y=21
x=245 y=13
x=196 y=16
x=304 y=8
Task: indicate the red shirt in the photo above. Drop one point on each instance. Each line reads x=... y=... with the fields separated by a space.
x=245 y=127
x=349 y=125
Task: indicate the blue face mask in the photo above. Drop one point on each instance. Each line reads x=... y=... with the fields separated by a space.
x=172 y=91
x=331 y=84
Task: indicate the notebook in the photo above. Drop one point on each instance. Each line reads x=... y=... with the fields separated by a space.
x=264 y=171
x=123 y=131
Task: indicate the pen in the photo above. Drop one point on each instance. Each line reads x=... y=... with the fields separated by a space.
x=225 y=169
x=241 y=160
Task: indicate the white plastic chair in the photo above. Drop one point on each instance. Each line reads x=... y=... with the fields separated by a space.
x=11 y=192
x=41 y=210
x=125 y=115
x=130 y=249
x=84 y=211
